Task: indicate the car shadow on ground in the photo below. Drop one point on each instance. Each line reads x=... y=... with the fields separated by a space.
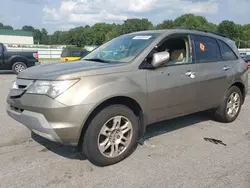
x=67 y=151
x=167 y=126
x=6 y=72
x=153 y=130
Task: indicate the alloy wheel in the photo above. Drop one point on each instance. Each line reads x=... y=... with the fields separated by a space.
x=115 y=136
x=233 y=104
x=19 y=68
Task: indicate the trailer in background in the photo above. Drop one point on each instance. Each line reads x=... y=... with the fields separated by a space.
x=244 y=51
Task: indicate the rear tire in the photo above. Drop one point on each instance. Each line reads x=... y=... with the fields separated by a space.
x=18 y=67
x=111 y=136
x=230 y=107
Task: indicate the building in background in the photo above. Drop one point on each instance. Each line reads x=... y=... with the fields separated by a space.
x=16 y=37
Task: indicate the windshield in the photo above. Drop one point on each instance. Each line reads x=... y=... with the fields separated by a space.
x=122 y=49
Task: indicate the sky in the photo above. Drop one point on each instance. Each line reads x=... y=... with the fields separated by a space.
x=66 y=14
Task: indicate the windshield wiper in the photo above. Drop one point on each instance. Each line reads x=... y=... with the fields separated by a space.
x=98 y=60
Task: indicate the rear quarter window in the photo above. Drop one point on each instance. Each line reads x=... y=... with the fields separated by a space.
x=227 y=53
x=206 y=49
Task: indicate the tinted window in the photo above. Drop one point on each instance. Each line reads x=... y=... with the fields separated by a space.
x=206 y=49
x=226 y=52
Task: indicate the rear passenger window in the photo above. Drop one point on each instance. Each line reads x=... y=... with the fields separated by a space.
x=206 y=49
x=226 y=52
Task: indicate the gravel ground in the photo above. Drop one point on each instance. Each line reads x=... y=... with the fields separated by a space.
x=173 y=155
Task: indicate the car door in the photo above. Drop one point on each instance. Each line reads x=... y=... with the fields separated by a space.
x=172 y=89
x=214 y=71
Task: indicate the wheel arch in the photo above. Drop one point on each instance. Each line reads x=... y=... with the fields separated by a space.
x=241 y=86
x=123 y=100
x=15 y=59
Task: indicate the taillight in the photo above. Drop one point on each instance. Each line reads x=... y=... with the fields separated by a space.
x=246 y=65
x=35 y=55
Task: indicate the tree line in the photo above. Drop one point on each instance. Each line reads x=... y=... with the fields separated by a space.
x=102 y=32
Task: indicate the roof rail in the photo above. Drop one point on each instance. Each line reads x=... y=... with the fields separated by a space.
x=203 y=30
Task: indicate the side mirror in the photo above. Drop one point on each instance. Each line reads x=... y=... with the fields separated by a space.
x=160 y=58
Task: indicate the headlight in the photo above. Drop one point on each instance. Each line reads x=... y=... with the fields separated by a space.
x=50 y=88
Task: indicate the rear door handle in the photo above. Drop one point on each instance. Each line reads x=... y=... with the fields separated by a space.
x=226 y=68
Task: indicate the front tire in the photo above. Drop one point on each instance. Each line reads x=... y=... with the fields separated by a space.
x=111 y=136
x=18 y=67
x=230 y=107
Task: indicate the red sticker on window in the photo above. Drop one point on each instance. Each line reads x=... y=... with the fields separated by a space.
x=202 y=47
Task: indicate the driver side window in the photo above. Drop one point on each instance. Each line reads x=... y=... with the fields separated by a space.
x=178 y=48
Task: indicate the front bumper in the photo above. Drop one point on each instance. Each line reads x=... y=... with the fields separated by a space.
x=36 y=122
x=48 y=117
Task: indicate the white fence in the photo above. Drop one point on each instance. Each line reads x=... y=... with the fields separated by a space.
x=45 y=53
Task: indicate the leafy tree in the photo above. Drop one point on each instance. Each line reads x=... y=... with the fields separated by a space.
x=44 y=36
x=100 y=30
x=2 y=26
x=37 y=35
x=246 y=35
x=114 y=32
x=230 y=29
x=210 y=26
x=191 y=20
x=28 y=28
x=167 y=24
x=133 y=25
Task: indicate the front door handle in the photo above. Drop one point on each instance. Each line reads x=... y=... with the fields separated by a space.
x=226 y=68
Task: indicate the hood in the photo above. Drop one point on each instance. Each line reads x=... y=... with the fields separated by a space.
x=67 y=70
